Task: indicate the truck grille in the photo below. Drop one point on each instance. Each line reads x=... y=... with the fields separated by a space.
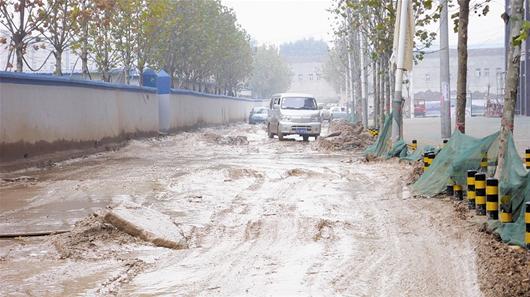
x=294 y=128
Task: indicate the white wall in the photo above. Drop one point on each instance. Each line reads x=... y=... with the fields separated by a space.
x=32 y=113
x=188 y=110
x=40 y=115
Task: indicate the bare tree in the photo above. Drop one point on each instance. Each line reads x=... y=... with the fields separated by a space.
x=60 y=27
x=518 y=33
x=22 y=18
x=461 y=82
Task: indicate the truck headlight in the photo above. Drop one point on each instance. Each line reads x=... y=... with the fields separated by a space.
x=315 y=118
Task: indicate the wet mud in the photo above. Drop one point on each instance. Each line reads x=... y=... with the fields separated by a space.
x=503 y=270
x=266 y=218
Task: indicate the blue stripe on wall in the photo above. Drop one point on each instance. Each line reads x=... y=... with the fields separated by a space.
x=49 y=80
x=45 y=80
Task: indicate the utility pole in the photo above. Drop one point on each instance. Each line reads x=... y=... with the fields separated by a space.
x=397 y=102
x=445 y=90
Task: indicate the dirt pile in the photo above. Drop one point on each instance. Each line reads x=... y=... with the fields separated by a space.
x=104 y=234
x=225 y=140
x=301 y=172
x=415 y=173
x=91 y=238
x=238 y=173
x=502 y=270
x=345 y=136
x=461 y=210
x=324 y=230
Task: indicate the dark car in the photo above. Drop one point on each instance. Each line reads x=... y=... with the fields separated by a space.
x=258 y=115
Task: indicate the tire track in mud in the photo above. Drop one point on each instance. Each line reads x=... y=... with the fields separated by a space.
x=349 y=231
x=413 y=252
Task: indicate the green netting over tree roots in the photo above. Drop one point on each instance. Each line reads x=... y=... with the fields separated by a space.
x=383 y=144
x=383 y=147
x=515 y=182
x=417 y=154
x=464 y=153
x=460 y=153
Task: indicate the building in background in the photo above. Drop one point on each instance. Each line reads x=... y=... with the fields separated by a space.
x=306 y=59
x=485 y=79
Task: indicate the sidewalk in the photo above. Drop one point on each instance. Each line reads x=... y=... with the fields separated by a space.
x=427 y=130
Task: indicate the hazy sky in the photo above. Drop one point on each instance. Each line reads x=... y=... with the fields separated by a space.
x=278 y=21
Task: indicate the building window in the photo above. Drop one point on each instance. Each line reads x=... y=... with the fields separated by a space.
x=300 y=76
x=477 y=72
x=318 y=76
x=499 y=70
x=427 y=77
x=310 y=76
x=486 y=72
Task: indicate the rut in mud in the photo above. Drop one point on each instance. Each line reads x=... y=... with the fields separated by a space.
x=266 y=218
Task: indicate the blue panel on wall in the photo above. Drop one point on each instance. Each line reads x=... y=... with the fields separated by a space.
x=149 y=78
x=163 y=83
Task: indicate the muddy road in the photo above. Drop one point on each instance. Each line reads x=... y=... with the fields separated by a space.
x=262 y=218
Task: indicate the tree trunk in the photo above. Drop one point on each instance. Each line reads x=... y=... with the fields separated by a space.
x=127 y=67
x=84 y=64
x=19 y=51
x=512 y=79
x=358 y=94
x=105 y=73
x=388 y=90
x=381 y=94
x=84 y=60
x=356 y=72
x=127 y=74
x=58 y=54
x=18 y=37
x=376 y=94
x=364 y=79
x=141 y=75
x=461 y=82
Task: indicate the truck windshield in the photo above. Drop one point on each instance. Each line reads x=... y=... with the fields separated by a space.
x=299 y=103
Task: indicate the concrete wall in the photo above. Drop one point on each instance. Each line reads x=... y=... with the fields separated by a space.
x=190 y=109
x=41 y=114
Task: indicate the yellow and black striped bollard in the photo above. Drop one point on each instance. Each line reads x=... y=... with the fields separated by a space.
x=492 y=198
x=450 y=187
x=425 y=161
x=431 y=155
x=414 y=145
x=527 y=222
x=458 y=192
x=527 y=158
x=480 y=193
x=484 y=161
x=506 y=209
x=471 y=188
